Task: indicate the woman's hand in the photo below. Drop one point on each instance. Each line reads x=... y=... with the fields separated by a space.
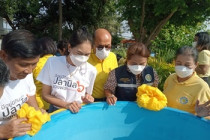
x=43 y=110
x=111 y=99
x=74 y=107
x=202 y=110
x=87 y=98
x=14 y=127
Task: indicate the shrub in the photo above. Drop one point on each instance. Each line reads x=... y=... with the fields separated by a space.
x=163 y=70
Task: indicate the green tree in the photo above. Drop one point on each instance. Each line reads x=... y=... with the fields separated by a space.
x=146 y=18
x=42 y=16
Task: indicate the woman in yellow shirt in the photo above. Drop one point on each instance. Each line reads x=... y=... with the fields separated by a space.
x=185 y=87
x=49 y=49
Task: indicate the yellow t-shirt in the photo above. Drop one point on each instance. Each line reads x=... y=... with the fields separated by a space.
x=36 y=71
x=183 y=95
x=204 y=59
x=103 y=69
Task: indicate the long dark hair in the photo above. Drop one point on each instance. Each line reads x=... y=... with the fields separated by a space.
x=80 y=36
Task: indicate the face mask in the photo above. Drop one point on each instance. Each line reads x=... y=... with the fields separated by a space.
x=183 y=71
x=194 y=44
x=102 y=54
x=136 y=69
x=78 y=60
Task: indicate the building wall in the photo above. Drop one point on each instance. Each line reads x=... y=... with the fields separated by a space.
x=4 y=27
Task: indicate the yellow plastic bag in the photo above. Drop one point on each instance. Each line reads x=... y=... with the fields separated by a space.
x=35 y=117
x=151 y=98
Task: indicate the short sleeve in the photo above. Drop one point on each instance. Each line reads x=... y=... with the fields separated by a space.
x=44 y=75
x=204 y=96
x=111 y=82
x=204 y=58
x=31 y=85
x=89 y=89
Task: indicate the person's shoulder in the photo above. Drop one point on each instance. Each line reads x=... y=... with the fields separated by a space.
x=92 y=59
x=55 y=59
x=91 y=67
x=111 y=54
x=29 y=76
x=172 y=76
x=27 y=79
x=42 y=61
x=121 y=68
x=200 y=82
x=112 y=58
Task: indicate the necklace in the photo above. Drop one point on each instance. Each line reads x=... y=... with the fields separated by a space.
x=79 y=68
x=71 y=69
x=71 y=73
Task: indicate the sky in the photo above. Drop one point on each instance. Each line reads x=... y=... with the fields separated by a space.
x=128 y=35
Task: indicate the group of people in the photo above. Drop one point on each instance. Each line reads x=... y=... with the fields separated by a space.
x=85 y=70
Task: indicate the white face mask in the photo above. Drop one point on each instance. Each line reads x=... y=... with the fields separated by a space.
x=136 y=69
x=194 y=44
x=183 y=71
x=78 y=60
x=102 y=54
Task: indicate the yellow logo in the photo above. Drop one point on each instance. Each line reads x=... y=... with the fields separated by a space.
x=183 y=100
x=148 y=77
x=124 y=80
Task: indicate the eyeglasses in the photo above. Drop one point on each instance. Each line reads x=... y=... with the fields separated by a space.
x=107 y=47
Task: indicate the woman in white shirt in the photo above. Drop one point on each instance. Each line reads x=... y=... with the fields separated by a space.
x=68 y=80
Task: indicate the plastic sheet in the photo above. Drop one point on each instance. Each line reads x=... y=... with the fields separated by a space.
x=124 y=121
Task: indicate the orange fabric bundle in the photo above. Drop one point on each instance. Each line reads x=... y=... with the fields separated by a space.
x=151 y=98
x=35 y=117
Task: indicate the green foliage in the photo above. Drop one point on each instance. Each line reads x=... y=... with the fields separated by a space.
x=163 y=69
x=174 y=37
x=186 y=13
x=41 y=16
x=116 y=41
x=120 y=51
x=165 y=45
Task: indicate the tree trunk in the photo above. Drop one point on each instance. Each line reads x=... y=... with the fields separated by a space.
x=142 y=22
x=158 y=28
x=60 y=21
x=10 y=22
